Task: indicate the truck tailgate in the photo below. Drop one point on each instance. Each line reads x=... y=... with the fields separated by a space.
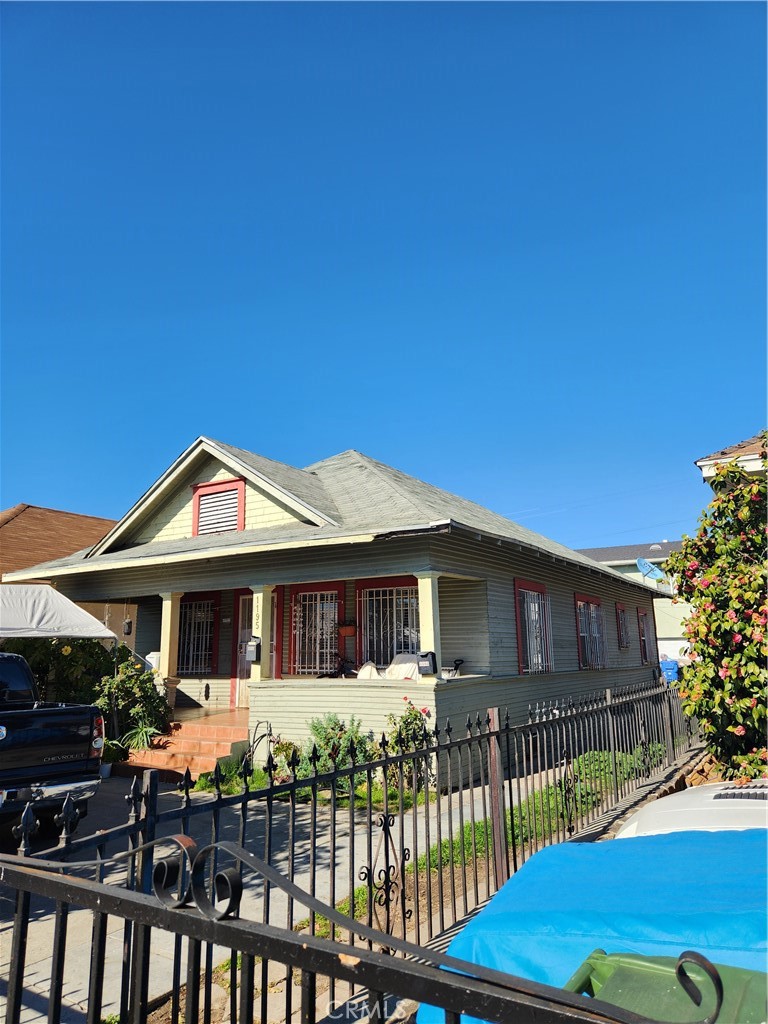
x=50 y=738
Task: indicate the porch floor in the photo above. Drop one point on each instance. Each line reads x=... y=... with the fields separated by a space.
x=235 y=717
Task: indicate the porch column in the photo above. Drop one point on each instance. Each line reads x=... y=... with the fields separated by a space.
x=429 y=615
x=169 y=644
x=261 y=626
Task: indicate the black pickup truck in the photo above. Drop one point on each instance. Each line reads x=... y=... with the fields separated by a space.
x=46 y=750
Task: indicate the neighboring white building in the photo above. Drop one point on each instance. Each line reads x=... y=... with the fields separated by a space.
x=669 y=617
x=748 y=454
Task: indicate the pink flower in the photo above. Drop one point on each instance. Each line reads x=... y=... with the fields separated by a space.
x=731 y=614
x=753 y=702
x=693 y=565
x=757 y=636
x=704 y=583
x=724 y=673
x=739 y=730
x=729 y=701
x=737 y=638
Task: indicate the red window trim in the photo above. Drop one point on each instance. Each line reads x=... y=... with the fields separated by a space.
x=621 y=608
x=215 y=597
x=310 y=588
x=377 y=583
x=583 y=599
x=236 y=483
x=643 y=636
x=538 y=588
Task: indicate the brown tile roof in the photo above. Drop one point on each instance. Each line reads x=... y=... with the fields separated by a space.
x=30 y=535
x=752 y=446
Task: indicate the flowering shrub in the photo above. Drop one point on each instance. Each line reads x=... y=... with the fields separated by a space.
x=132 y=704
x=721 y=573
x=408 y=732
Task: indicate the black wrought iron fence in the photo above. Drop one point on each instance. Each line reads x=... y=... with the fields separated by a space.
x=405 y=845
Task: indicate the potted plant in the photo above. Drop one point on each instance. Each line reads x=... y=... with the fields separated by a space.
x=113 y=752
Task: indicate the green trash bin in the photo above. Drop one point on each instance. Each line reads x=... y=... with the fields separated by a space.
x=648 y=985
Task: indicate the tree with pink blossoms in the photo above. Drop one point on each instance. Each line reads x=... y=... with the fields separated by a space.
x=721 y=574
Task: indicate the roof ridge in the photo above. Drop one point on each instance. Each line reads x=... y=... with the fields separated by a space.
x=9 y=514
x=380 y=469
x=383 y=471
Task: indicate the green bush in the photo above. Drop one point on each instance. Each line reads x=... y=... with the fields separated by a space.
x=67 y=670
x=407 y=731
x=129 y=699
x=333 y=738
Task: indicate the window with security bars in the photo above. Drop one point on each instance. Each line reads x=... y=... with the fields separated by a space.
x=589 y=616
x=534 y=629
x=642 y=628
x=196 y=628
x=622 y=627
x=388 y=619
x=315 y=625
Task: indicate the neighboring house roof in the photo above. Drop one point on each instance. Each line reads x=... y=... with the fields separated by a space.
x=747 y=453
x=348 y=498
x=752 y=446
x=626 y=554
x=30 y=534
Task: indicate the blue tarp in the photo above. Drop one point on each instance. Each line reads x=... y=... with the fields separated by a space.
x=653 y=895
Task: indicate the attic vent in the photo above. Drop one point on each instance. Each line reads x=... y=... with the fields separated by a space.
x=218 y=512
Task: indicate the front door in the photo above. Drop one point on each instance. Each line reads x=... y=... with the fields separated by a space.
x=244 y=632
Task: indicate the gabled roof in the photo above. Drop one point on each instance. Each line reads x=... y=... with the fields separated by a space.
x=627 y=554
x=348 y=498
x=293 y=487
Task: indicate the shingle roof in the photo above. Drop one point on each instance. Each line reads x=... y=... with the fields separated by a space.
x=303 y=484
x=655 y=551
x=360 y=495
x=752 y=446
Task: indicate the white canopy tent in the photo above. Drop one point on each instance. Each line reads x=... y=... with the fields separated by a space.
x=37 y=610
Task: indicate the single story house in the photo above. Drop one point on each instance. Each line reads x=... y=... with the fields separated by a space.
x=352 y=558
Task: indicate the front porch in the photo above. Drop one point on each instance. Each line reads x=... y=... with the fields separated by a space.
x=259 y=647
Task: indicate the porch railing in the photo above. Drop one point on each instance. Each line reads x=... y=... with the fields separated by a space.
x=406 y=845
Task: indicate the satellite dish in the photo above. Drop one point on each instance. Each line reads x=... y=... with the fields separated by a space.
x=649 y=570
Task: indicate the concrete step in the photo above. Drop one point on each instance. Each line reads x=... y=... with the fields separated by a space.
x=196 y=745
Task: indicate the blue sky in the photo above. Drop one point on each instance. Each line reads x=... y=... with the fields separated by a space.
x=514 y=249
